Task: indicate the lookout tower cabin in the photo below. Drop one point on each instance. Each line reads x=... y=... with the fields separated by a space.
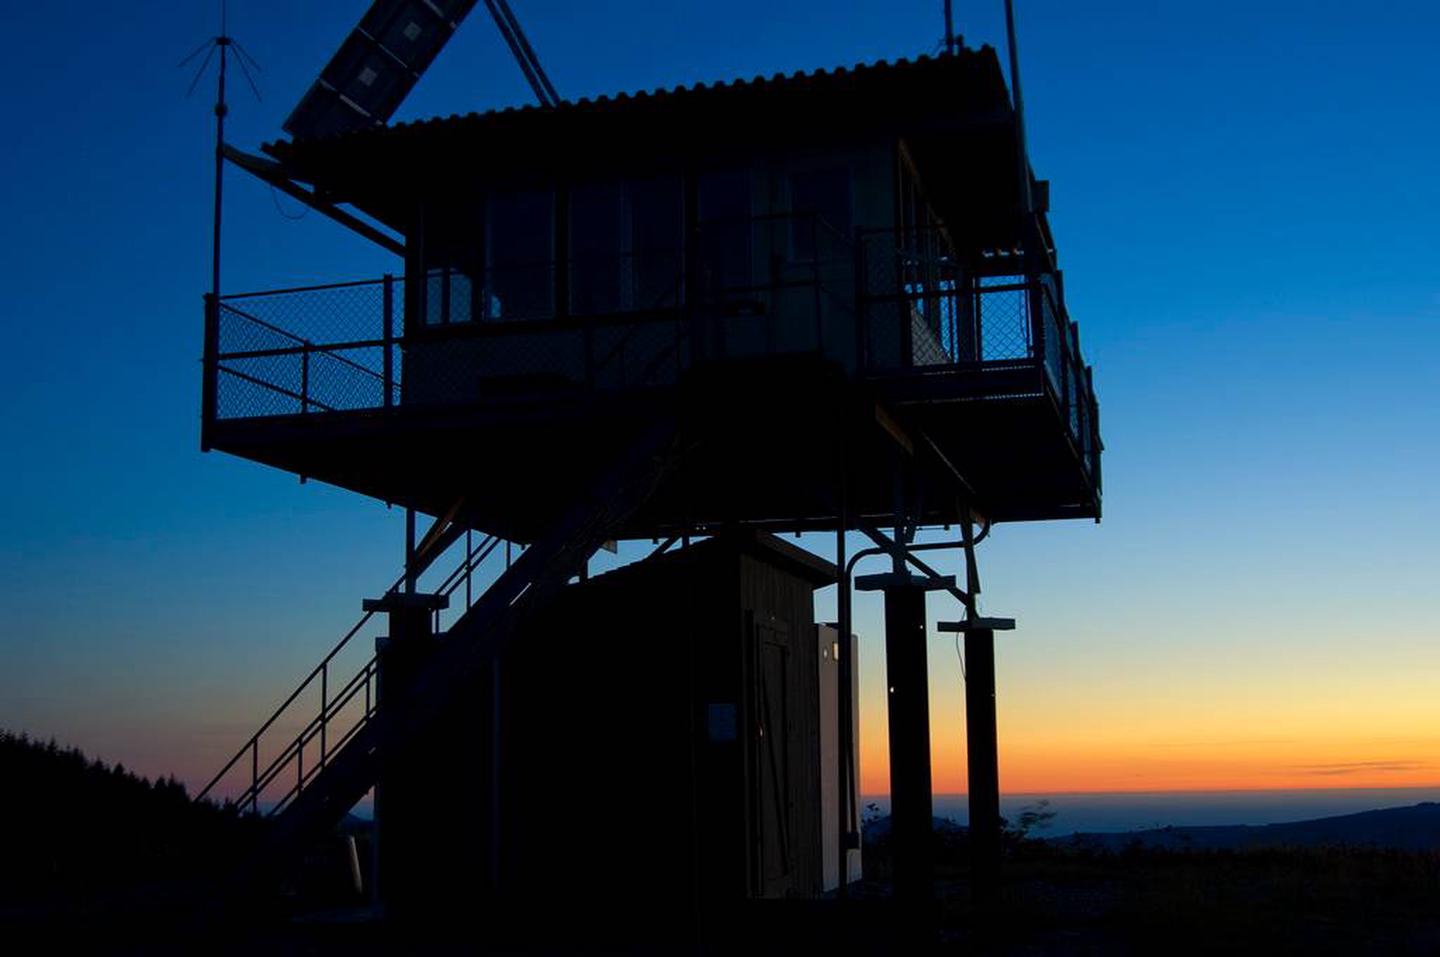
x=811 y=274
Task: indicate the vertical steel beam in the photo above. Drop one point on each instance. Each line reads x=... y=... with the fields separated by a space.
x=983 y=760
x=908 y=698
x=981 y=741
x=848 y=836
x=908 y=703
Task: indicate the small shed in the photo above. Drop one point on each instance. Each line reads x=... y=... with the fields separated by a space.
x=655 y=742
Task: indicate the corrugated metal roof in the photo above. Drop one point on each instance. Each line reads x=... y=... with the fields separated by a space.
x=799 y=80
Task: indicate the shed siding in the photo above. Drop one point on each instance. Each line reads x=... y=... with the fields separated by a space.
x=615 y=769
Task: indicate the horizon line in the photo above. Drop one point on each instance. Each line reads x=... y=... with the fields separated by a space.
x=1235 y=790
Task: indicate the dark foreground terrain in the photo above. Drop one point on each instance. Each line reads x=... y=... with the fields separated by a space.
x=1273 y=901
x=95 y=860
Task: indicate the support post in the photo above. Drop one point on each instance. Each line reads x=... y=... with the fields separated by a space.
x=907 y=679
x=408 y=822
x=983 y=759
x=849 y=837
x=982 y=749
x=908 y=703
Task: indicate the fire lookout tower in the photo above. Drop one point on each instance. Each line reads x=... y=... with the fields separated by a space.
x=827 y=301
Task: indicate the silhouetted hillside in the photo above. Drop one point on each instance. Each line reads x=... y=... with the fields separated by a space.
x=81 y=837
x=1415 y=828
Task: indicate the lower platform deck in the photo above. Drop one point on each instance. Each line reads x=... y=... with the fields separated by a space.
x=772 y=442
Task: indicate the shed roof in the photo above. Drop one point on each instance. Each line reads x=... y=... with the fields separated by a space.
x=761 y=545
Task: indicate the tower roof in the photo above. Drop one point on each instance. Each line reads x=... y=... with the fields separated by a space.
x=947 y=99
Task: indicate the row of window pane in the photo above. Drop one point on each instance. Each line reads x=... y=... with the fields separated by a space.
x=626 y=242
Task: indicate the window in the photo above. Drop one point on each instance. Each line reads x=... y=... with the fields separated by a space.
x=723 y=206
x=447 y=296
x=626 y=243
x=820 y=202
x=519 y=256
x=656 y=227
x=596 y=228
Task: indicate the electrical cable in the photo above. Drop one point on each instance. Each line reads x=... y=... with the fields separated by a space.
x=304 y=210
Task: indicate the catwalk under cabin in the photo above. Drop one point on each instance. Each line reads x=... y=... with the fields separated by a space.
x=812 y=274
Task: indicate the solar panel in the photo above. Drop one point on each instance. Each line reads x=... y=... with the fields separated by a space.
x=377 y=66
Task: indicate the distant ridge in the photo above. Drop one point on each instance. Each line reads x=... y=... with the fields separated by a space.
x=1414 y=828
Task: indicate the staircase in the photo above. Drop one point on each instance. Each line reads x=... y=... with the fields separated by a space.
x=350 y=731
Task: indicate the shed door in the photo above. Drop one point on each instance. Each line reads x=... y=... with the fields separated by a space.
x=771 y=778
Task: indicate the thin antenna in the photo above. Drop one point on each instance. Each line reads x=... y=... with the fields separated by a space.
x=1026 y=203
x=949 y=27
x=224 y=43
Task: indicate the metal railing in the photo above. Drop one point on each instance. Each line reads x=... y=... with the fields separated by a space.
x=308 y=349
x=921 y=311
x=528 y=574
x=275 y=756
x=877 y=302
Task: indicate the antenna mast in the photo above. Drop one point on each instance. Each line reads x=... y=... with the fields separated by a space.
x=1026 y=203
x=224 y=43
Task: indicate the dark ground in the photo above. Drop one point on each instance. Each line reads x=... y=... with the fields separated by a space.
x=94 y=860
x=1052 y=901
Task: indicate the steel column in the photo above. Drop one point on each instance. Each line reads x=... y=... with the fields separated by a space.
x=981 y=744
x=908 y=700
x=983 y=758
x=908 y=703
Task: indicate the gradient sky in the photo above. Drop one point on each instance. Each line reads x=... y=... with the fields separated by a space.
x=1244 y=195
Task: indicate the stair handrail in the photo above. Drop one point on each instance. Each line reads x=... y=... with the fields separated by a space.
x=294 y=750
x=259 y=779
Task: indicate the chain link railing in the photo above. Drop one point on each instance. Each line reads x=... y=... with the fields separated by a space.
x=922 y=309
x=877 y=302
x=310 y=349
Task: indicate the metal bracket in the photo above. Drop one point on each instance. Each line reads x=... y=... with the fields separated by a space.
x=403 y=600
x=976 y=624
x=271 y=172
x=885 y=580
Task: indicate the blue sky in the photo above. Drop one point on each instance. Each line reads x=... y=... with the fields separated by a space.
x=1244 y=198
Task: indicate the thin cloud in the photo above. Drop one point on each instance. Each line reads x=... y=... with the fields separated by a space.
x=1359 y=767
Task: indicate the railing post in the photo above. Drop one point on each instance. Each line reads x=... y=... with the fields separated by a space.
x=902 y=303
x=815 y=277
x=589 y=338
x=977 y=318
x=862 y=312
x=389 y=337
x=409 y=551
x=1038 y=329
x=210 y=370
x=305 y=377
